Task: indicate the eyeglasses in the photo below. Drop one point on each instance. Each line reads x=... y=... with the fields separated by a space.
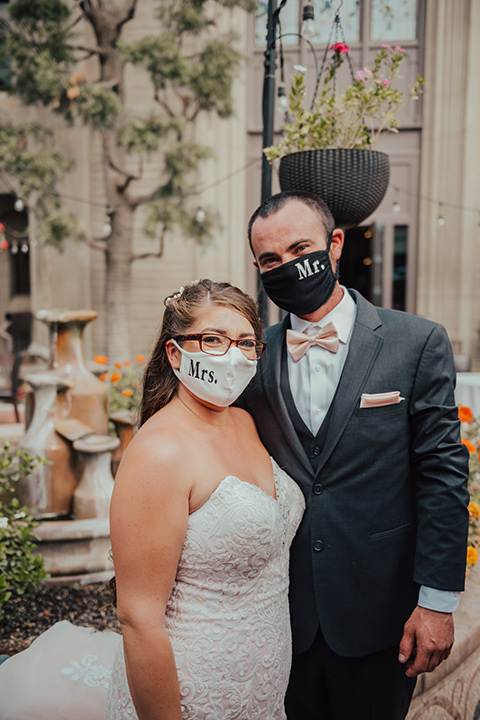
x=213 y=344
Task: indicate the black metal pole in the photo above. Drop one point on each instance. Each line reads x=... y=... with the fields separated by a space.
x=268 y=114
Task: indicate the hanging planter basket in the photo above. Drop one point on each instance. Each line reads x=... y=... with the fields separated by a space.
x=352 y=182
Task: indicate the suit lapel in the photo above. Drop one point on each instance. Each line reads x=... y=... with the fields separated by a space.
x=364 y=347
x=272 y=390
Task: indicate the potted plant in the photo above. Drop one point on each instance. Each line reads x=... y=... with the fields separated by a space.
x=330 y=148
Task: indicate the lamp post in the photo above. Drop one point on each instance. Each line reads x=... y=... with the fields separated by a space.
x=268 y=115
x=268 y=109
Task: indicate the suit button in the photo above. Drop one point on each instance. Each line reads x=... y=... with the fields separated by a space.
x=318 y=545
x=318 y=489
x=316 y=451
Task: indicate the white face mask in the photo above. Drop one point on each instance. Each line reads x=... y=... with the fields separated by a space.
x=217 y=379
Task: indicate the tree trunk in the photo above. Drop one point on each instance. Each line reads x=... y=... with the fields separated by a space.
x=107 y=19
x=117 y=285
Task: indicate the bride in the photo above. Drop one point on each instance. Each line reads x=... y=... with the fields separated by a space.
x=201 y=524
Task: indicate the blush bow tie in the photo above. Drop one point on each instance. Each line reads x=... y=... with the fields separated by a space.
x=298 y=343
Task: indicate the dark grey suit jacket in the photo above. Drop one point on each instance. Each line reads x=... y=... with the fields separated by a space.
x=387 y=505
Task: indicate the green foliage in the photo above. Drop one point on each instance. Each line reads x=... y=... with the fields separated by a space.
x=191 y=66
x=353 y=118
x=212 y=77
x=143 y=136
x=37 y=44
x=21 y=568
x=26 y=152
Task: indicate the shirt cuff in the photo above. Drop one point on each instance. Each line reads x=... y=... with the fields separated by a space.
x=446 y=601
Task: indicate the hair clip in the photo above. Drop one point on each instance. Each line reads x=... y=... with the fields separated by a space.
x=178 y=294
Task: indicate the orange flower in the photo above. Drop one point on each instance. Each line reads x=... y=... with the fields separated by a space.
x=127 y=363
x=101 y=359
x=465 y=414
x=472 y=555
x=115 y=377
x=103 y=377
x=127 y=393
x=118 y=365
x=469 y=445
x=139 y=358
x=474 y=510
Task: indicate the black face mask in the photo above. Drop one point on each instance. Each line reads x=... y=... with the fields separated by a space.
x=303 y=285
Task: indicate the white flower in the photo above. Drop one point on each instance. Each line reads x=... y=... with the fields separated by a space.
x=3 y=522
x=19 y=515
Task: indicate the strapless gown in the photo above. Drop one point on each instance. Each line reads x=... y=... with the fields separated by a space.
x=227 y=619
x=228 y=616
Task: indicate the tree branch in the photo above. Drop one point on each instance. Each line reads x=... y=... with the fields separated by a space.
x=158 y=254
x=97 y=244
x=130 y=178
x=163 y=105
x=90 y=50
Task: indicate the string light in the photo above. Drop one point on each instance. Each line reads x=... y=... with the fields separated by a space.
x=107 y=225
x=19 y=205
x=396 y=207
x=441 y=219
x=200 y=216
x=308 y=24
x=24 y=248
x=282 y=102
x=14 y=249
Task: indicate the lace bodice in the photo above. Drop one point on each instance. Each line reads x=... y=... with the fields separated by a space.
x=227 y=617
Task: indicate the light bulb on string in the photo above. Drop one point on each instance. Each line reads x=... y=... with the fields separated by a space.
x=24 y=248
x=396 y=207
x=282 y=101
x=107 y=225
x=308 y=22
x=14 y=249
x=200 y=216
x=18 y=205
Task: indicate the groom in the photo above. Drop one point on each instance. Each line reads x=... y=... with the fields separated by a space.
x=357 y=404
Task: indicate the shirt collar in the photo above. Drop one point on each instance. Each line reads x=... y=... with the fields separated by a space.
x=343 y=317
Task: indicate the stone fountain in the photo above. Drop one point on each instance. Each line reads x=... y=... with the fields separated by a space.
x=67 y=421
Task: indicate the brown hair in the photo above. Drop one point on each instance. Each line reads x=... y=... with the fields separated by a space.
x=275 y=203
x=181 y=310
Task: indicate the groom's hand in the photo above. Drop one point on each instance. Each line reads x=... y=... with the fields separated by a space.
x=427 y=640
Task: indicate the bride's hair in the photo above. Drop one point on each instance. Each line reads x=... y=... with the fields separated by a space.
x=181 y=310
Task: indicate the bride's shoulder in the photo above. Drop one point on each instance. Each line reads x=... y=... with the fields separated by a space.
x=243 y=420
x=157 y=448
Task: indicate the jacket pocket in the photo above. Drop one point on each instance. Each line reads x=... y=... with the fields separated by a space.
x=381 y=410
x=393 y=531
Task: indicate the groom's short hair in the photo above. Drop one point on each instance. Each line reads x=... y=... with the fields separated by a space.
x=276 y=202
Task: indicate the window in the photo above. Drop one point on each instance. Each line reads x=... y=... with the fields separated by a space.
x=394 y=20
x=399 y=285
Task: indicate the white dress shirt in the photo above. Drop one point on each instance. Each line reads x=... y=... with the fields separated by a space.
x=314 y=378
x=313 y=382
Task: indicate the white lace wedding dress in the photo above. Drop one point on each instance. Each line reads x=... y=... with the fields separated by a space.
x=227 y=619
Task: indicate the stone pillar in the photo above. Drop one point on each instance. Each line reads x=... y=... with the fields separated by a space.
x=448 y=280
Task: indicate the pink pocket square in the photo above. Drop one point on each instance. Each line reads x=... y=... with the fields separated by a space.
x=378 y=399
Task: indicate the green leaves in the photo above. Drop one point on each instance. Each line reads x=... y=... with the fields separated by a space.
x=353 y=118
x=21 y=568
x=37 y=44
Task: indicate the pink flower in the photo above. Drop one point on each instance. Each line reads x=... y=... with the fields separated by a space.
x=360 y=76
x=4 y=244
x=367 y=72
x=340 y=47
x=387 y=47
x=2 y=227
x=399 y=49
x=385 y=82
